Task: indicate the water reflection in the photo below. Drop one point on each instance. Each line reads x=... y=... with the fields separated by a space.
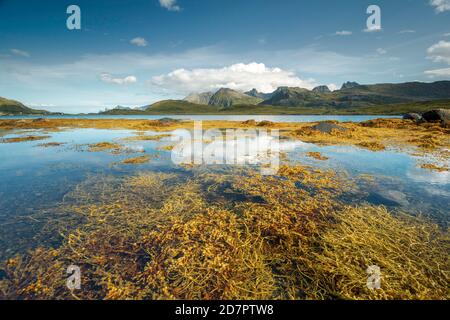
x=35 y=178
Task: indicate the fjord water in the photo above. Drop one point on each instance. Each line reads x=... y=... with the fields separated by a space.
x=279 y=118
x=36 y=178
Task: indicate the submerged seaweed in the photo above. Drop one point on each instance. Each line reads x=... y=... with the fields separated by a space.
x=178 y=236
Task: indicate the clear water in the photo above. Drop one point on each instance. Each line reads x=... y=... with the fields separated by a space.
x=281 y=118
x=35 y=178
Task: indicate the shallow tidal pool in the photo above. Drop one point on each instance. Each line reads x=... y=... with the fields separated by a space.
x=41 y=175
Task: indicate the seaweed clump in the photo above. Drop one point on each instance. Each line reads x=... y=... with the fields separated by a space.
x=23 y=139
x=232 y=235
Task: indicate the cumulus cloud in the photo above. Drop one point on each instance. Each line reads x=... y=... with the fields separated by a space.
x=381 y=51
x=440 y=5
x=108 y=78
x=239 y=76
x=440 y=52
x=21 y=53
x=139 y=41
x=170 y=5
x=343 y=33
x=438 y=72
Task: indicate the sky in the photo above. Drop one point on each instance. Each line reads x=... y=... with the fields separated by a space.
x=136 y=52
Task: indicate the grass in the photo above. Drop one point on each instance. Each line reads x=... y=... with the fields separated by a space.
x=202 y=234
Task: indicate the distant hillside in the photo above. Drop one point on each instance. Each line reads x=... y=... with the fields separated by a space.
x=321 y=89
x=293 y=97
x=354 y=95
x=226 y=98
x=353 y=99
x=199 y=98
x=255 y=93
x=179 y=107
x=12 y=107
x=173 y=107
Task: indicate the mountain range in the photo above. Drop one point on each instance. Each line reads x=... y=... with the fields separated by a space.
x=352 y=98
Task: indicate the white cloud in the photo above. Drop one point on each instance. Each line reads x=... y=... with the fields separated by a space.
x=440 y=52
x=108 y=78
x=438 y=72
x=170 y=5
x=407 y=31
x=20 y=53
x=139 y=41
x=440 y=5
x=447 y=34
x=237 y=76
x=381 y=51
x=343 y=33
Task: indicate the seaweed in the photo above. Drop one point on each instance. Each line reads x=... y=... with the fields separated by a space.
x=169 y=236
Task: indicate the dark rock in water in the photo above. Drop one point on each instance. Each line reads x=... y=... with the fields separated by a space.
x=40 y=120
x=265 y=123
x=388 y=198
x=412 y=116
x=437 y=115
x=328 y=127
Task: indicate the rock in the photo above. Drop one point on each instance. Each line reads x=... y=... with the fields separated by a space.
x=322 y=89
x=349 y=85
x=412 y=116
x=328 y=127
x=389 y=198
x=40 y=120
x=437 y=115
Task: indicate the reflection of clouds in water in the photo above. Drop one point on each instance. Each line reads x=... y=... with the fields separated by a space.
x=428 y=176
x=252 y=149
x=437 y=192
x=135 y=148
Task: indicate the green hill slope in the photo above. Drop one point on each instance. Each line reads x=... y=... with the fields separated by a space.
x=12 y=107
x=226 y=98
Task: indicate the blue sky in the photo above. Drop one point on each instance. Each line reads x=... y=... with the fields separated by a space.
x=136 y=52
